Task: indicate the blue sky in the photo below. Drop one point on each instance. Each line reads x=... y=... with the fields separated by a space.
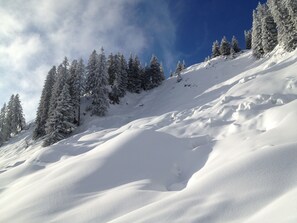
x=36 y=35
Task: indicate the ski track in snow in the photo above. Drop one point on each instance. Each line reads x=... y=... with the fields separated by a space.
x=219 y=146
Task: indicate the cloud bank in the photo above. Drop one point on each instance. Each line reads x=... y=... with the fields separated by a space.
x=36 y=34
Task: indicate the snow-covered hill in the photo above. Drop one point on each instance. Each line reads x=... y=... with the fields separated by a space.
x=219 y=146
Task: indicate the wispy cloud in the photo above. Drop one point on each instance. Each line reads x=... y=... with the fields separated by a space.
x=37 y=34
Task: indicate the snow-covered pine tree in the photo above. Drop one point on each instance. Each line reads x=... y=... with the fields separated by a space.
x=269 y=31
x=111 y=69
x=287 y=30
x=19 y=122
x=215 y=49
x=100 y=101
x=178 y=70
x=43 y=108
x=116 y=92
x=257 y=45
x=156 y=73
x=76 y=72
x=235 y=45
x=134 y=75
x=248 y=39
x=146 y=78
x=123 y=74
x=292 y=7
x=61 y=80
x=225 y=47
x=91 y=72
x=60 y=123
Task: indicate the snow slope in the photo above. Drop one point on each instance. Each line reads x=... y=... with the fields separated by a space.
x=220 y=146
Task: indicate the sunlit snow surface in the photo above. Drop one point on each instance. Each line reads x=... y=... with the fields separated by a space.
x=219 y=146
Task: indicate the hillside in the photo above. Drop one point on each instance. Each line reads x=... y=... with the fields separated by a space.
x=219 y=146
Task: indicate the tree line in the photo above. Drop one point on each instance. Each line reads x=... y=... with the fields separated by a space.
x=225 y=48
x=12 y=119
x=104 y=81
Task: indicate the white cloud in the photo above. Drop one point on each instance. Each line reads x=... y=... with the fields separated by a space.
x=37 y=34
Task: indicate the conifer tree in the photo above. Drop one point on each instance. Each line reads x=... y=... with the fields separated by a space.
x=269 y=31
x=146 y=78
x=75 y=87
x=257 y=45
x=18 y=121
x=156 y=73
x=119 y=84
x=215 y=49
x=100 y=102
x=44 y=103
x=225 y=47
x=111 y=69
x=91 y=74
x=248 y=39
x=134 y=75
x=123 y=74
x=234 y=45
x=60 y=123
x=292 y=8
x=61 y=80
x=178 y=70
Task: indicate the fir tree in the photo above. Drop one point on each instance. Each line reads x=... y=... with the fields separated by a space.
x=75 y=87
x=19 y=122
x=43 y=108
x=257 y=45
x=91 y=72
x=60 y=123
x=234 y=45
x=61 y=80
x=100 y=102
x=111 y=69
x=123 y=74
x=178 y=70
x=269 y=31
x=248 y=39
x=134 y=75
x=157 y=76
x=225 y=47
x=215 y=49
x=119 y=83
x=292 y=8
x=146 y=78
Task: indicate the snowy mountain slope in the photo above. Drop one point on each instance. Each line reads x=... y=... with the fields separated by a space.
x=220 y=146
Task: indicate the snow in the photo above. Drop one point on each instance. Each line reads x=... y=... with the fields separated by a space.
x=219 y=146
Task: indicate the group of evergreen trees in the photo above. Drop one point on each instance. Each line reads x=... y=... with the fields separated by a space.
x=274 y=23
x=102 y=81
x=225 y=48
x=12 y=119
